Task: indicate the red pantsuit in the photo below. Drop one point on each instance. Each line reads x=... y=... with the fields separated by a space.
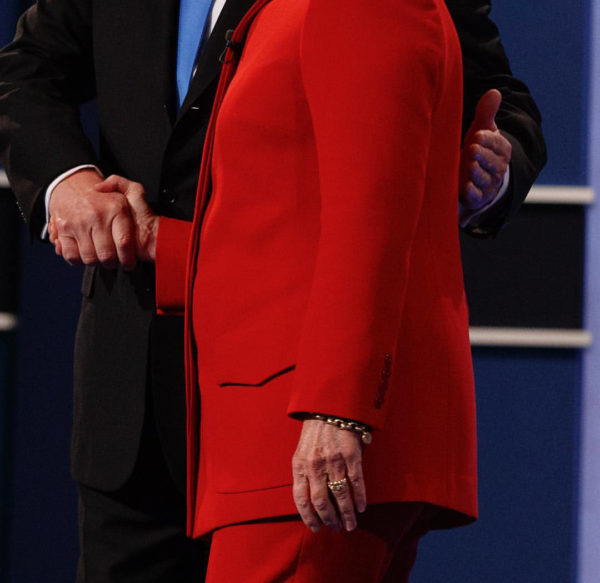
x=383 y=548
x=323 y=272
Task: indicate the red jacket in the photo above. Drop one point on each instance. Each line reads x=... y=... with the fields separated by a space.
x=324 y=271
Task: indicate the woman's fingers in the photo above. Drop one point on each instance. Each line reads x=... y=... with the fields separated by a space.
x=328 y=478
x=305 y=508
x=319 y=496
x=319 y=493
x=357 y=482
x=340 y=488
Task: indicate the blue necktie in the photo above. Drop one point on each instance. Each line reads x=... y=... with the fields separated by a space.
x=192 y=23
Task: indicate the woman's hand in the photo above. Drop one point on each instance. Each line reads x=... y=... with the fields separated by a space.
x=144 y=218
x=327 y=454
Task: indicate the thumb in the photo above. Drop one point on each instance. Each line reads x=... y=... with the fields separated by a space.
x=133 y=191
x=486 y=111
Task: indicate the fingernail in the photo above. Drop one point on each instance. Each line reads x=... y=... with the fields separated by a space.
x=350 y=526
x=315 y=529
x=362 y=507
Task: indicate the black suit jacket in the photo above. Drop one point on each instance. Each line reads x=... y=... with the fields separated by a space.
x=123 y=52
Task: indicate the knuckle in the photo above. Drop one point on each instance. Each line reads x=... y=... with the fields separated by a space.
x=316 y=463
x=119 y=204
x=356 y=481
x=105 y=255
x=320 y=504
x=298 y=465
x=123 y=241
x=88 y=258
x=472 y=149
x=477 y=149
x=354 y=471
x=335 y=457
x=92 y=215
x=115 y=205
x=347 y=513
x=303 y=504
x=341 y=495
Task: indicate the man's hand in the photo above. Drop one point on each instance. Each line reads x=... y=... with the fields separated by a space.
x=91 y=226
x=145 y=220
x=326 y=453
x=485 y=155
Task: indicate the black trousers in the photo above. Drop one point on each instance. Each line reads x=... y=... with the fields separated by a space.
x=137 y=533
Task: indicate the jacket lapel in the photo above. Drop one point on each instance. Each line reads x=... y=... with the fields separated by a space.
x=209 y=66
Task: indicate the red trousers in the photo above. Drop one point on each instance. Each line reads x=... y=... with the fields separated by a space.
x=382 y=549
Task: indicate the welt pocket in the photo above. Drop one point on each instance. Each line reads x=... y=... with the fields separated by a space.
x=262 y=383
x=87 y=282
x=252 y=358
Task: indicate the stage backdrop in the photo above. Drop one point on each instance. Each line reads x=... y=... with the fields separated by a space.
x=528 y=397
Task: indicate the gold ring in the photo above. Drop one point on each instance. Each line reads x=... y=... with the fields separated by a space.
x=337 y=485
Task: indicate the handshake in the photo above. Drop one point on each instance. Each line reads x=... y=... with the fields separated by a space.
x=109 y=221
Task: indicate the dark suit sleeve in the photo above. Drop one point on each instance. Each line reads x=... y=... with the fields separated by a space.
x=486 y=67
x=45 y=73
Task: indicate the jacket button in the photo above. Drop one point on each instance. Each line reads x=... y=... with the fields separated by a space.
x=166 y=194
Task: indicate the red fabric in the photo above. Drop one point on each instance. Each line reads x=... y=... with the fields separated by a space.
x=324 y=274
x=171 y=246
x=382 y=548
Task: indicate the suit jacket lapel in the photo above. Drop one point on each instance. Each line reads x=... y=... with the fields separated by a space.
x=209 y=65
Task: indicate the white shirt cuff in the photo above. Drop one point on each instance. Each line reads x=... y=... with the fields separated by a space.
x=465 y=215
x=54 y=184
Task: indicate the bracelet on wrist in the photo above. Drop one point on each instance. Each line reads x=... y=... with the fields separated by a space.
x=347 y=424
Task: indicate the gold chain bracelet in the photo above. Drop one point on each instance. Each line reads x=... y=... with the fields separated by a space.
x=363 y=430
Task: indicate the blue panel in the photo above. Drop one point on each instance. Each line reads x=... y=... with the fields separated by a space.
x=547 y=45
x=528 y=411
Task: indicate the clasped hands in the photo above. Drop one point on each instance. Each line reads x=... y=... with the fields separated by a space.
x=109 y=222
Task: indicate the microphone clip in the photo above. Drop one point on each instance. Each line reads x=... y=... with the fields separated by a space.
x=235 y=47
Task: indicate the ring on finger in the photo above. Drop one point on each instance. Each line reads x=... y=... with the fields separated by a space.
x=337 y=485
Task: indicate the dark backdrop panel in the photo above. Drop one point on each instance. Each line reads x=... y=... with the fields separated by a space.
x=528 y=406
x=532 y=274
x=9 y=225
x=9 y=244
x=43 y=529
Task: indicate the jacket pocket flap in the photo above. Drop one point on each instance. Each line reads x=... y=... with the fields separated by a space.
x=251 y=357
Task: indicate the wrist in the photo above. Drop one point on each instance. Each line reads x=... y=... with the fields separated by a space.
x=74 y=181
x=342 y=423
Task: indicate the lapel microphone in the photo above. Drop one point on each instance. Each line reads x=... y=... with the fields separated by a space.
x=229 y=44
